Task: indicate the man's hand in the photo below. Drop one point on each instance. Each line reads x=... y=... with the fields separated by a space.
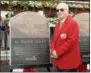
x=54 y=54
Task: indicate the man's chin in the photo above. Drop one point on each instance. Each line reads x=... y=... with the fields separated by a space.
x=61 y=17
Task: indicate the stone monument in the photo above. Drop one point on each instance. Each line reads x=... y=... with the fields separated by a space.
x=29 y=40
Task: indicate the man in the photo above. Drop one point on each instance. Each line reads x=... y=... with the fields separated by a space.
x=65 y=44
x=2 y=28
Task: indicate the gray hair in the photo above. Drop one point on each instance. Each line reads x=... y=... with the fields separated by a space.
x=62 y=5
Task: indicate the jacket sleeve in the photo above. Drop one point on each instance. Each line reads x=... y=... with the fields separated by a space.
x=73 y=35
x=52 y=45
x=53 y=39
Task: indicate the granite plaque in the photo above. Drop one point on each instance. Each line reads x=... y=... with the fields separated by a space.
x=83 y=21
x=29 y=40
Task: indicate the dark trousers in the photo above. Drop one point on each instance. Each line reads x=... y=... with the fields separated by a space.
x=64 y=70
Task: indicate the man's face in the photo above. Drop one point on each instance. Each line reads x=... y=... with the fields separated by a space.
x=62 y=12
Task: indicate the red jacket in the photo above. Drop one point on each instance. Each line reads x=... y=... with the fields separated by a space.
x=67 y=49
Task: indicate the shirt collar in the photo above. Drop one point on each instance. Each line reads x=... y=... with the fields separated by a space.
x=62 y=21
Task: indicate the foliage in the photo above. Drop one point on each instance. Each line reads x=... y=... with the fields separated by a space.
x=53 y=20
x=39 y=4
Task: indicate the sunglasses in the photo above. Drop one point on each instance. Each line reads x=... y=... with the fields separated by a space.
x=60 y=10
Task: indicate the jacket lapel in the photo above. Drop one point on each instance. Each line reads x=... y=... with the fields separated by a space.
x=59 y=30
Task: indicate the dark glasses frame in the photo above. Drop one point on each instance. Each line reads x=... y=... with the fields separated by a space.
x=62 y=10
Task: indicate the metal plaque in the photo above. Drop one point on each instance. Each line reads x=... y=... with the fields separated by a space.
x=29 y=39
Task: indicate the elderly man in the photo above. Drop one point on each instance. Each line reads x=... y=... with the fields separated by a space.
x=65 y=44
